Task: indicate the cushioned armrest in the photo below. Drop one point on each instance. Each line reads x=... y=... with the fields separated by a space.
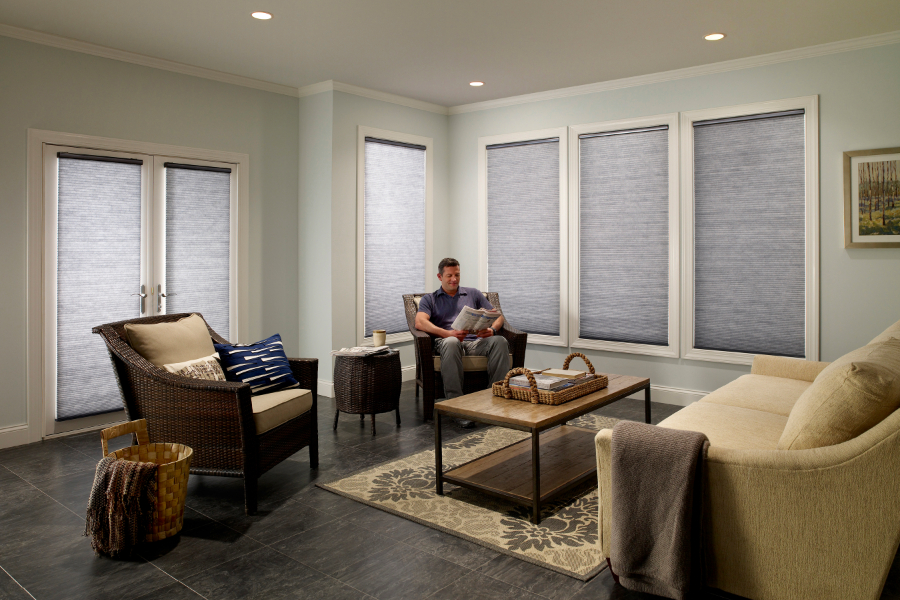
x=788 y=368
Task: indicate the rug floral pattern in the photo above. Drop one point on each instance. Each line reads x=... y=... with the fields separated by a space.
x=565 y=541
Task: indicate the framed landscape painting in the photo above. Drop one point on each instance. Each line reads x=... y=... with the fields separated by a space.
x=872 y=198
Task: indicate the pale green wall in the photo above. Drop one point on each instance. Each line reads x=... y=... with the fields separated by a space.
x=350 y=112
x=314 y=308
x=58 y=90
x=859 y=95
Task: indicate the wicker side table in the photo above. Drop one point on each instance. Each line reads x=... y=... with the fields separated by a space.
x=367 y=385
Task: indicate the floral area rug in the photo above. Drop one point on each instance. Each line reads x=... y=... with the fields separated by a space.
x=566 y=540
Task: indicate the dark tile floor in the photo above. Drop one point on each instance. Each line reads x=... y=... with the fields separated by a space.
x=303 y=543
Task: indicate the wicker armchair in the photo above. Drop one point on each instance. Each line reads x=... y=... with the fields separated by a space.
x=214 y=418
x=429 y=379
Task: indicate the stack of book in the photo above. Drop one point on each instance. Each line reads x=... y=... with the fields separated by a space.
x=551 y=379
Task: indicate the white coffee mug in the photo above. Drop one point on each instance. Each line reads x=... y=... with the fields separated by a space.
x=378 y=337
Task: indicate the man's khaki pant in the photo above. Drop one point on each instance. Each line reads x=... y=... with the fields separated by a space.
x=452 y=350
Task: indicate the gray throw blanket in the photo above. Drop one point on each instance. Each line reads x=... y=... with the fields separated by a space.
x=656 y=509
x=120 y=509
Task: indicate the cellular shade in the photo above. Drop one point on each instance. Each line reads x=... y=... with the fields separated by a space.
x=523 y=206
x=198 y=236
x=98 y=269
x=624 y=236
x=749 y=235
x=394 y=231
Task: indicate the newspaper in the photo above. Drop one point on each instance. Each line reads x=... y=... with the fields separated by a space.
x=474 y=319
x=360 y=351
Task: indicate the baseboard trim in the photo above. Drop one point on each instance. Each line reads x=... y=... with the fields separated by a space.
x=671 y=395
x=325 y=388
x=16 y=435
x=408 y=373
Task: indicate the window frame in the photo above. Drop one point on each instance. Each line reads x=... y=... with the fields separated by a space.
x=810 y=104
x=672 y=349
x=41 y=267
x=406 y=138
x=483 y=142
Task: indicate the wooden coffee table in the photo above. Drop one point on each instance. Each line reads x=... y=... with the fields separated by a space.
x=565 y=453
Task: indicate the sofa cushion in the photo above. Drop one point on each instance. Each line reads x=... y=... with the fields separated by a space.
x=273 y=409
x=471 y=363
x=730 y=426
x=775 y=395
x=891 y=332
x=263 y=365
x=166 y=343
x=201 y=368
x=852 y=394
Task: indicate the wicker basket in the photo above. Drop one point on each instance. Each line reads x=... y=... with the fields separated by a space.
x=537 y=396
x=174 y=462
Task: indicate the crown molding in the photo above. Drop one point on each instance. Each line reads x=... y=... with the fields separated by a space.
x=337 y=86
x=315 y=88
x=882 y=39
x=48 y=39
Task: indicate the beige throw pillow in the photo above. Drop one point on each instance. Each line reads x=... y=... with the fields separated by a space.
x=850 y=396
x=167 y=343
x=891 y=332
x=207 y=368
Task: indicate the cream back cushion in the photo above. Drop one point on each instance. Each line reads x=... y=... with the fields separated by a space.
x=891 y=332
x=166 y=343
x=850 y=396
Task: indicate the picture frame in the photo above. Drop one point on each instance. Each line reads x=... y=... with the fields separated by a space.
x=872 y=198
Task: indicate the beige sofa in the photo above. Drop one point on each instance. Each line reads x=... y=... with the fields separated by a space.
x=802 y=479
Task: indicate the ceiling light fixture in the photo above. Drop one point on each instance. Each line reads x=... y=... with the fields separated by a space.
x=262 y=16
x=476 y=83
x=714 y=37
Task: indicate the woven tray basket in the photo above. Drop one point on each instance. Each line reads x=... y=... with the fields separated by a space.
x=174 y=462
x=538 y=396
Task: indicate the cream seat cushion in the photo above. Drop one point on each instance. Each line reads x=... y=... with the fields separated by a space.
x=730 y=426
x=850 y=396
x=891 y=332
x=167 y=343
x=470 y=363
x=271 y=410
x=775 y=395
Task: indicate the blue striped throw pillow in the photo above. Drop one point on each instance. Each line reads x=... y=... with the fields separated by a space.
x=263 y=365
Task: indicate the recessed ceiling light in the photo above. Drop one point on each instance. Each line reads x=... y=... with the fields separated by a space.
x=714 y=37
x=262 y=16
x=476 y=83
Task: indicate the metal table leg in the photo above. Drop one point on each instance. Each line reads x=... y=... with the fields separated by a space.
x=647 y=404
x=439 y=468
x=536 y=476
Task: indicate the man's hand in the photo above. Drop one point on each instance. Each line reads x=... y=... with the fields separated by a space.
x=457 y=333
x=485 y=333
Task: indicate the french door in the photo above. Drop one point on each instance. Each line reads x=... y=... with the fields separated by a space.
x=126 y=235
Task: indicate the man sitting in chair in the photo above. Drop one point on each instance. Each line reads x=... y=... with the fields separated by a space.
x=438 y=310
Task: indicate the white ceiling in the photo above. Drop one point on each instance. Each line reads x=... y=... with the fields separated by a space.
x=429 y=49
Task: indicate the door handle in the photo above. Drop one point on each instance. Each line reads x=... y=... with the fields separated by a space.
x=159 y=300
x=142 y=296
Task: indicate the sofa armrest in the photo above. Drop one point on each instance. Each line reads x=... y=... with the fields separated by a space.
x=788 y=368
x=780 y=524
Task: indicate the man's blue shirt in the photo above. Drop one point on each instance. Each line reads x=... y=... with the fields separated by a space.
x=442 y=309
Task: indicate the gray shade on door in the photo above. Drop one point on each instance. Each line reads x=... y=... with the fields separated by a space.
x=98 y=271
x=198 y=244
